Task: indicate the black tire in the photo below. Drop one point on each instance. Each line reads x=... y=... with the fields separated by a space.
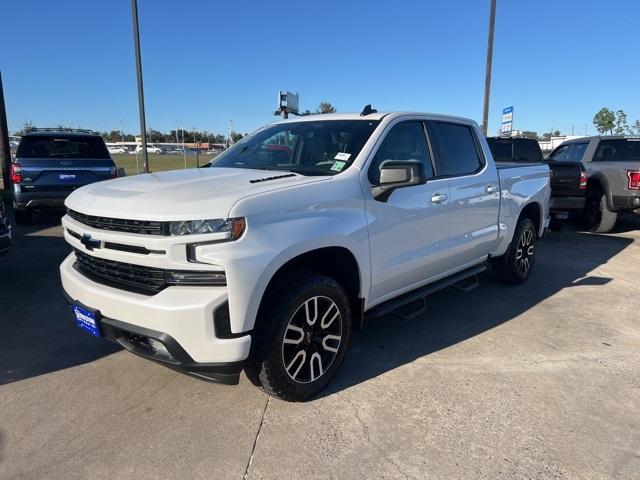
x=285 y=316
x=556 y=224
x=23 y=217
x=515 y=266
x=598 y=218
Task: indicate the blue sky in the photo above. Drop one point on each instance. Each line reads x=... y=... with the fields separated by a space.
x=71 y=62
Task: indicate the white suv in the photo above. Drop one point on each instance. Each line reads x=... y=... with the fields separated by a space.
x=265 y=260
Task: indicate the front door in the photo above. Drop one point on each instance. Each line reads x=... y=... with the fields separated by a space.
x=408 y=232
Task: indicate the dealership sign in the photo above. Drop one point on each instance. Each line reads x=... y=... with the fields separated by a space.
x=507 y=120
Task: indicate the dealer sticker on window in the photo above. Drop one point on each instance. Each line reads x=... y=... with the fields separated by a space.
x=338 y=166
x=342 y=156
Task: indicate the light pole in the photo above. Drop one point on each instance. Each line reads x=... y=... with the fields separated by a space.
x=122 y=132
x=177 y=128
x=487 y=78
x=136 y=45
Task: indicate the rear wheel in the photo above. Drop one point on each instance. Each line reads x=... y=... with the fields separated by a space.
x=23 y=217
x=597 y=216
x=515 y=266
x=301 y=336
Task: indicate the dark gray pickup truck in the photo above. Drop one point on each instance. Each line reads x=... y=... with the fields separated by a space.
x=568 y=176
x=612 y=164
x=52 y=163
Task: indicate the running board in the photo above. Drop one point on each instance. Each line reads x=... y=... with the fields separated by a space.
x=413 y=303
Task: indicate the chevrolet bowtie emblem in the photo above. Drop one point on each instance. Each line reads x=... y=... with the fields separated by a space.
x=89 y=242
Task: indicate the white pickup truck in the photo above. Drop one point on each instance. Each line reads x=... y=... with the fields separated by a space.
x=267 y=258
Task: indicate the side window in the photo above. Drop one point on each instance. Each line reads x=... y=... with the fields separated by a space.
x=577 y=152
x=405 y=141
x=457 y=150
x=560 y=153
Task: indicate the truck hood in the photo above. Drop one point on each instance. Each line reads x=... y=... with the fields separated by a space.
x=180 y=194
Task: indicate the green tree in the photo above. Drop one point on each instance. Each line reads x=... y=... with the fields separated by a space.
x=236 y=137
x=25 y=128
x=622 y=126
x=529 y=134
x=325 y=107
x=604 y=120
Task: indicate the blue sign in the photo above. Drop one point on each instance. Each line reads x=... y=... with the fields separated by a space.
x=507 y=120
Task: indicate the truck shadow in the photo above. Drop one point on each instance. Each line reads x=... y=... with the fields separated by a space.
x=564 y=260
x=38 y=332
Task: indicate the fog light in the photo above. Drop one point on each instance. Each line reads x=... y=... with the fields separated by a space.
x=159 y=348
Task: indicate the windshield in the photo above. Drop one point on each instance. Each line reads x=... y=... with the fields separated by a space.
x=323 y=147
x=68 y=146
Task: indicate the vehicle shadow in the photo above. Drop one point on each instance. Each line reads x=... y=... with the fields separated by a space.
x=38 y=332
x=452 y=316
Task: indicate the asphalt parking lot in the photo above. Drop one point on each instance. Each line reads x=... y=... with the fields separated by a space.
x=537 y=381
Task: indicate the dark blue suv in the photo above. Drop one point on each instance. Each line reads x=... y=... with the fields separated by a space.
x=52 y=163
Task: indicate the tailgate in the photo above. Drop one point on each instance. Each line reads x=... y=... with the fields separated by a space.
x=40 y=174
x=565 y=179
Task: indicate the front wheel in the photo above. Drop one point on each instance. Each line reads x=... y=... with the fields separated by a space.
x=301 y=336
x=515 y=266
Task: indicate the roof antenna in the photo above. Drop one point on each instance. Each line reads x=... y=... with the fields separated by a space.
x=367 y=110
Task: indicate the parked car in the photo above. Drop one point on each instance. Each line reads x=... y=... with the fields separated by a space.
x=267 y=258
x=568 y=175
x=150 y=149
x=5 y=230
x=117 y=149
x=613 y=167
x=52 y=163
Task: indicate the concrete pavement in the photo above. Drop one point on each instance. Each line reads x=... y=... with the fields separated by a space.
x=537 y=381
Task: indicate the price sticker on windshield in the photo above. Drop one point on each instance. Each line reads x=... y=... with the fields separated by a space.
x=342 y=156
x=338 y=166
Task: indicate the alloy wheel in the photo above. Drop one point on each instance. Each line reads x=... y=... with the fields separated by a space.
x=524 y=252
x=312 y=339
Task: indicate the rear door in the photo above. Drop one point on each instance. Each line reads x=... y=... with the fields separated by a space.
x=62 y=163
x=474 y=187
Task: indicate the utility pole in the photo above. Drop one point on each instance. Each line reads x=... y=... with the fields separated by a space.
x=5 y=149
x=487 y=78
x=136 y=45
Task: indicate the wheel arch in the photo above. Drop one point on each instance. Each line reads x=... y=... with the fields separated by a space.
x=533 y=211
x=337 y=262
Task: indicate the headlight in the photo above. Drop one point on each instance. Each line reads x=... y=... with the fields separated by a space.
x=231 y=228
x=178 y=277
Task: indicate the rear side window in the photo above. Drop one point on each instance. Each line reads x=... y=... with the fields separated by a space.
x=501 y=150
x=457 y=150
x=618 y=151
x=526 y=151
x=577 y=152
x=71 y=146
x=560 y=154
x=406 y=141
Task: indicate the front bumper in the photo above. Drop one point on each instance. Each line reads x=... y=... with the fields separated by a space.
x=181 y=317
x=138 y=340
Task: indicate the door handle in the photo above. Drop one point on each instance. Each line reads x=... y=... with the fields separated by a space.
x=491 y=189
x=439 y=198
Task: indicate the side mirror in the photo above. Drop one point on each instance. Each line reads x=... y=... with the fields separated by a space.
x=398 y=174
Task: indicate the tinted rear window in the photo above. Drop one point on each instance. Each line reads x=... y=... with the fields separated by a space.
x=66 y=146
x=618 y=151
x=500 y=150
x=526 y=151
